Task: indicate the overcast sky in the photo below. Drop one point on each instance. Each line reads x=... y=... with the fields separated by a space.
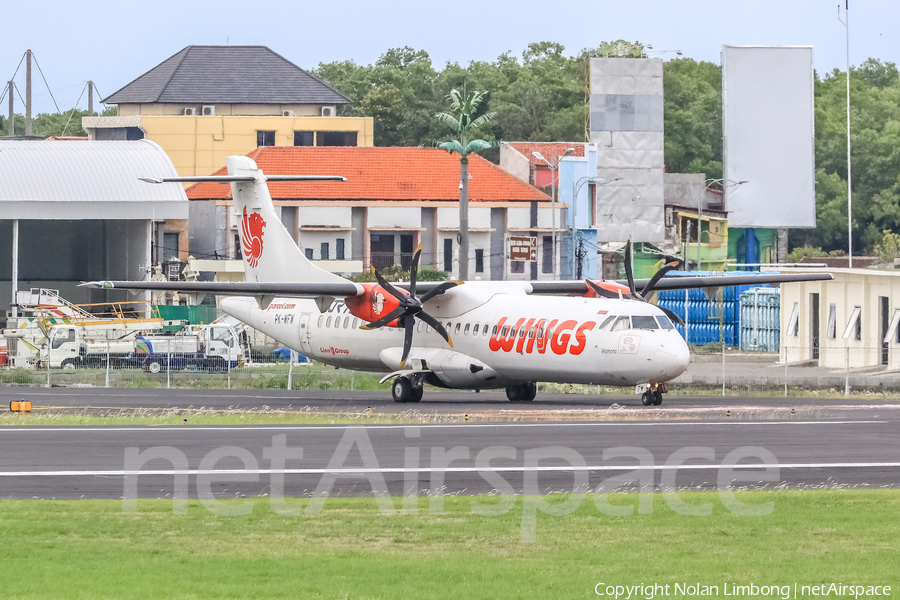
x=112 y=43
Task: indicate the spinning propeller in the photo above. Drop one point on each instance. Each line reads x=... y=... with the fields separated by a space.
x=648 y=289
x=410 y=306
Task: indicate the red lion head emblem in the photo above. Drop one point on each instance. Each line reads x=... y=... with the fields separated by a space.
x=253 y=228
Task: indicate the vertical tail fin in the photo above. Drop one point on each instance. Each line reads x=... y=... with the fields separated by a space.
x=270 y=253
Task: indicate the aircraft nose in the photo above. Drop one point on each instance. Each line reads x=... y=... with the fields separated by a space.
x=672 y=358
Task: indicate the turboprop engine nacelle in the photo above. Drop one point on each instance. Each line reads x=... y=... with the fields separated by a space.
x=373 y=304
x=453 y=369
x=611 y=287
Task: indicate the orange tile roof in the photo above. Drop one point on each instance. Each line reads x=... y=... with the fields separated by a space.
x=378 y=174
x=547 y=149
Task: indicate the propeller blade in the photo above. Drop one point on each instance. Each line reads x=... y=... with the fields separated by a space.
x=435 y=324
x=388 y=287
x=414 y=270
x=599 y=291
x=672 y=315
x=397 y=312
x=437 y=290
x=628 y=272
x=409 y=323
x=659 y=274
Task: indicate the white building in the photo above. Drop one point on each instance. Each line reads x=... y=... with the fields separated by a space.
x=81 y=214
x=856 y=315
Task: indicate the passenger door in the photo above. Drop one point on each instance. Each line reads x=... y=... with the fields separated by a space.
x=303 y=330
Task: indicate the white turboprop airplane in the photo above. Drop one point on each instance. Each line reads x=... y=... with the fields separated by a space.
x=480 y=335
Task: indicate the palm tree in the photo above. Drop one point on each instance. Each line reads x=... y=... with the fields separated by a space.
x=461 y=121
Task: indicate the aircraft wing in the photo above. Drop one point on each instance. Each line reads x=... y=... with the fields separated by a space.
x=235 y=288
x=683 y=283
x=341 y=290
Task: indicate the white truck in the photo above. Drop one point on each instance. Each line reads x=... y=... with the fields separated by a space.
x=208 y=348
x=205 y=348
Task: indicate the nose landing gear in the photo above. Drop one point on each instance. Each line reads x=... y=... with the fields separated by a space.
x=652 y=394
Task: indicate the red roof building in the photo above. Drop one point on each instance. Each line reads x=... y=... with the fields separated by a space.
x=393 y=199
x=399 y=174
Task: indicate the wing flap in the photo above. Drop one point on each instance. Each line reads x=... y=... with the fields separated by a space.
x=235 y=288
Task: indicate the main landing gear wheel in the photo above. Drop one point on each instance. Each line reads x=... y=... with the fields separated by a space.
x=403 y=390
x=417 y=393
x=657 y=397
x=649 y=398
x=522 y=393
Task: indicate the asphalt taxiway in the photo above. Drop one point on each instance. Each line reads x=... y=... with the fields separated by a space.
x=546 y=405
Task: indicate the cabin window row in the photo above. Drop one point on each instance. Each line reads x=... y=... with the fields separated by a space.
x=612 y=323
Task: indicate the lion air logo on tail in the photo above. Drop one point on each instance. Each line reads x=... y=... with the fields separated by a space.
x=252 y=238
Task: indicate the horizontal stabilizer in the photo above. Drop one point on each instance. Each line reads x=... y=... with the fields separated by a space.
x=240 y=178
x=199 y=179
x=305 y=178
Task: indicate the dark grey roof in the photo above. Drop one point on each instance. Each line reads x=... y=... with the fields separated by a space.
x=227 y=75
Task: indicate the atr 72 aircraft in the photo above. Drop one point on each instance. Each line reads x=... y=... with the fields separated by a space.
x=453 y=334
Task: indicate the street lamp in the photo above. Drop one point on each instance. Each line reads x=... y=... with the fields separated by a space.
x=553 y=165
x=725 y=183
x=846 y=24
x=652 y=51
x=576 y=189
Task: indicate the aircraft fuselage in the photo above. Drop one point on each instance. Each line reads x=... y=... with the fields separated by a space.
x=503 y=340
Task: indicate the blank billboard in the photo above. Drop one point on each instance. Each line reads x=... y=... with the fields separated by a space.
x=769 y=127
x=627 y=127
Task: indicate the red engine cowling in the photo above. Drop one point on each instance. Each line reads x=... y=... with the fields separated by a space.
x=373 y=304
x=611 y=289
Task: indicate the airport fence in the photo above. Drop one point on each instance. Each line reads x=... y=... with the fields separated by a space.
x=278 y=375
x=809 y=370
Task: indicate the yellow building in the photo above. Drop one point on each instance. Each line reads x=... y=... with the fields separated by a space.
x=209 y=102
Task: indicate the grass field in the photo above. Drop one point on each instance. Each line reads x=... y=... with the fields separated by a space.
x=90 y=549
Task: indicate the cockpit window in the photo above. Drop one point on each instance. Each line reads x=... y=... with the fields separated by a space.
x=643 y=322
x=664 y=322
x=607 y=322
x=621 y=324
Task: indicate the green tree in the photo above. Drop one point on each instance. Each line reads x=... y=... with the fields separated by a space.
x=66 y=123
x=692 y=94
x=543 y=94
x=875 y=152
x=889 y=247
x=465 y=125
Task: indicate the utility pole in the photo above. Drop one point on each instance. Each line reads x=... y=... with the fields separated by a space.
x=27 y=93
x=463 y=239
x=90 y=98
x=849 y=179
x=553 y=165
x=12 y=114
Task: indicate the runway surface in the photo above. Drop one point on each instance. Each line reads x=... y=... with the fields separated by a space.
x=93 y=462
x=584 y=440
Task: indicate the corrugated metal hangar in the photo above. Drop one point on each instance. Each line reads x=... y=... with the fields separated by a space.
x=72 y=211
